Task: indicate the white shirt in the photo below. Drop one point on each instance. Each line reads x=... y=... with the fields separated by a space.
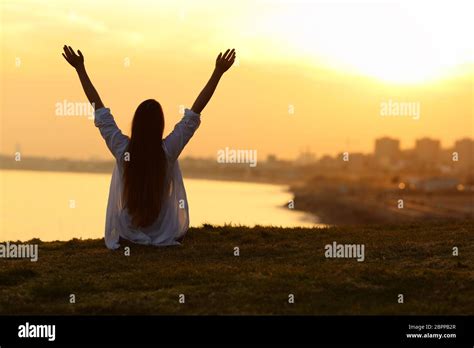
x=173 y=221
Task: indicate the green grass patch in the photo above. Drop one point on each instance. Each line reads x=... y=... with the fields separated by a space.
x=415 y=260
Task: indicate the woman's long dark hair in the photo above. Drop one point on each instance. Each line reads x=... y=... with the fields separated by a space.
x=145 y=171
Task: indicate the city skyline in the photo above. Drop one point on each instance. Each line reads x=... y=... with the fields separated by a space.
x=425 y=144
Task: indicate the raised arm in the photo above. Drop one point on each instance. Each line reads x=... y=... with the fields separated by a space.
x=223 y=63
x=103 y=119
x=77 y=62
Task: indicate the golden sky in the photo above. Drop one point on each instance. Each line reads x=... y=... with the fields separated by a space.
x=310 y=74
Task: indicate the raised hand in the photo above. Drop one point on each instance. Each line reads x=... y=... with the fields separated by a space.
x=224 y=62
x=76 y=60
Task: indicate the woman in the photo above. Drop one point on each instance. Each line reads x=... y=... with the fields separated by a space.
x=147 y=199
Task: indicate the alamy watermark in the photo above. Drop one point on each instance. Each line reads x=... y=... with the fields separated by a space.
x=19 y=251
x=395 y=108
x=346 y=251
x=28 y=330
x=70 y=108
x=228 y=155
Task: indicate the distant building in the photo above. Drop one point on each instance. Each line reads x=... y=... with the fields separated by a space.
x=329 y=162
x=306 y=157
x=437 y=184
x=428 y=150
x=271 y=158
x=465 y=152
x=358 y=161
x=387 y=151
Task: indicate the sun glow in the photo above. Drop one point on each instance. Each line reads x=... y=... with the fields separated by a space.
x=402 y=42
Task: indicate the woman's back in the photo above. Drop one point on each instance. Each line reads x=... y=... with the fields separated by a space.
x=173 y=221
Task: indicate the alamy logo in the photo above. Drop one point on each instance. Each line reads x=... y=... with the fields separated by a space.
x=19 y=251
x=70 y=108
x=237 y=156
x=400 y=109
x=37 y=331
x=347 y=251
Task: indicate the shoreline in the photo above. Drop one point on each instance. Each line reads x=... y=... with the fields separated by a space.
x=381 y=207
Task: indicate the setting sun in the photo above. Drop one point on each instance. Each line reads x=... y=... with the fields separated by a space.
x=400 y=42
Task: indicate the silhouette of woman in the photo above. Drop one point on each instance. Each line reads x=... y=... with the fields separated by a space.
x=147 y=199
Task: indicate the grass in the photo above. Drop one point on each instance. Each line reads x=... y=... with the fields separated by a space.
x=414 y=260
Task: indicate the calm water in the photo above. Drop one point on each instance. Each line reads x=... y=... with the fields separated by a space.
x=61 y=206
